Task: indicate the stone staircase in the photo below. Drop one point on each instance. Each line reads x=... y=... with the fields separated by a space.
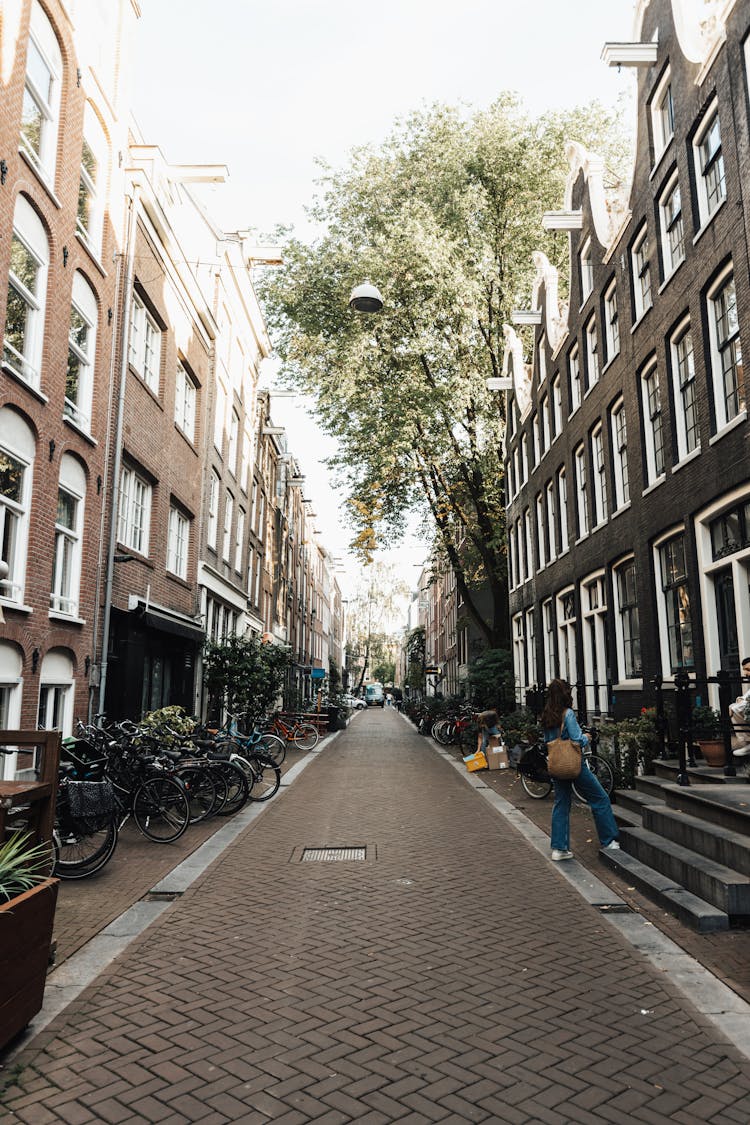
x=687 y=847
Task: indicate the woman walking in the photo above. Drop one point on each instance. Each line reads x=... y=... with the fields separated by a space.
x=559 y=721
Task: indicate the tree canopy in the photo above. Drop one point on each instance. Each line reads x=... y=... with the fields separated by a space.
x=443 y=218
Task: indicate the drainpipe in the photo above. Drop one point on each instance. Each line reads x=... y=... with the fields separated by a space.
x=117 y=462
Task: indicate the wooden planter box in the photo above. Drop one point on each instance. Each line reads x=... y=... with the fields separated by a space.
x=25 y=938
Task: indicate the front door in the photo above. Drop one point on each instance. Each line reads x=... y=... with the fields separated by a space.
x=726 y=619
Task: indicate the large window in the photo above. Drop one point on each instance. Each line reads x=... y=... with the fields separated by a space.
x=676 y=603
x=185 y=396
x=599 y=464
x=587 y=270
x=66 y=574
x=212 y=530
x=620 y=455
x=27 y=290
x=56 y=692
x=41 y=97
x=17 y=448
x=684 y=392
x=145 y=344
x=653 y=426
x=541 y=539
x=548 y=621
x=234 y=434
x=239 y=540
x=662 y=115
x=544 y=411
x=91 y=193
x=134 y=511
x=527 y=543
x=574 y=379
x=594 y=632
x=672 y=227
x=556 y=406
x=551 y=519
x=592 y=353
x=178 y=539
x=611 y=322
x=562 y=501
x=727 y=372
x=79 y=378
x=226 y=546
x=582 y=509
x=641 y=273
x=709 y=166
x=627 y=624
x=566 y=635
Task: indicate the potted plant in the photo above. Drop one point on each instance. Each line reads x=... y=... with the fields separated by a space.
x=706 y=730
x=27 y=912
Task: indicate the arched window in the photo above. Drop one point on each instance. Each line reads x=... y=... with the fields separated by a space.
x=11 y=668
x=93 y=181
x=79 y=380
x=56 y=692
x=66 y=573
x=27 y=291
x=17 y=449
x=40 y=117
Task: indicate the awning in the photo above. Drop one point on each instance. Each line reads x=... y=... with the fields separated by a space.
x=178 y=626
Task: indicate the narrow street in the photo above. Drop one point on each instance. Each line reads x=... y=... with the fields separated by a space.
x=446 y=972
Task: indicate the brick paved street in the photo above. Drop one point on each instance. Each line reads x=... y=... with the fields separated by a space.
x=414 y=986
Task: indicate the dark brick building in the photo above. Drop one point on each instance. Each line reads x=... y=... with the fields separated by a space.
x=628 y=469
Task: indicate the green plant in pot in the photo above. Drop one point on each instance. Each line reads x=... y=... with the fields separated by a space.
x=706 y=729
x=22 y=865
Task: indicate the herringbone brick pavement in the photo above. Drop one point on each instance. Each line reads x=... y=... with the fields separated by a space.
x=452 y=976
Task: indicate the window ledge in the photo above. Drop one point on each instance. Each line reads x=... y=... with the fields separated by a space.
x=6 y=603
x=707 y=223
x=669 y=276
x=637 y=323
x=91 y=253
x=588 y=390
x=726 y=429
x=68 y=618
x=619 y=511
x=691 y=456
x=80 y=430
x=40 y=177
x=575 y=411
x=581 y=539
x=655 y=485
x=8 y=370
x=628 y=685
x=599 y=526
x=178 y=579
x=185 y=437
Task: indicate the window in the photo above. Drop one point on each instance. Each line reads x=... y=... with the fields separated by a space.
x=683 y=381
x=544 y=411
x=261 y=532
x=551 y=520
x=56 y=692
x=227 y=537
x=730 y=532
x=11 y=671
x=727 y=374
x=530 y=648
x=79 y=378
x=17 y=449
x=676 y=603
x=542 y=358
x=512 y=558
x=250 y=566
x=562 y=501
x=652 y=424
x=548 y=620
x=524 y=459
x=709 y=167
x=145 y=344
x=94 y=157
x=592 y=353
x=239 y=540
x=672 y=229
x=134 y=511
x=528 y=543
x=662 y=116
x=557 y=406
x=600 y=480
x=641 y=273
x=234 y=433
x=178 y=538
x=535 y=438
x=66 y=571
x=582 y=512
x=185 y=395
x=627 y=625
x=27 y=289
x=587 y=270
x=245 y=464
x=574 y=379
x=566 y=635
x=620 y=456
x=541 y=542
x=213 y=510
x=41 y=97
x=594 y=636
x=611 y=322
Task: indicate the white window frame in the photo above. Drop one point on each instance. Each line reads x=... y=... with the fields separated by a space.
x=708 y=159
x=562 y=507
x=14 y=526
x=574 y=379
x=672 y=224
x=512 y=558
x=627 y=624
x=178 y=542
x=239 y=539
x=245 y=462
x=582 y=508
x=535 y=439
x=541 y=543
x=92 y=186
x=542 y=358
x=599 y=471
x=567 y=655
x=212 y=522
x=528 y=545
x=725 y=344
x=548 y=625
x=43 y=40
x=671 y=597
x=641 y=268
x=662 y=115
x=519 y=655
x=592 y=352
x=234 y=439
x=557 y=406
x=653 y=423
x=530 y=648
x=684 y=391
x=611 y=322
x=544 y=411
x=586 y=268
x=66 y=567
x=145 y=344
x=524 y=458
x=82 y=353
x=226 y=542
x=134 y=511
x=594 y=635
x=619 y=439
x=28 y=231
x=185 y=399
x=551 y=519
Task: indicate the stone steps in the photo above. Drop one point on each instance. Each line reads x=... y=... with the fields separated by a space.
x=695 y=912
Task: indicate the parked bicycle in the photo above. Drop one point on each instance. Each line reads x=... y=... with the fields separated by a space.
x=303 y=734
x=537 y=781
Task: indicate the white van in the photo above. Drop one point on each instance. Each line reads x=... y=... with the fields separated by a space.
x=374 y=695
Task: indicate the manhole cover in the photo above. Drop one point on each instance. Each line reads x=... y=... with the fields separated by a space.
x=332 y=855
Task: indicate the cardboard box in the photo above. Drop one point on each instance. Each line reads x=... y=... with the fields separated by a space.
x=497 y=754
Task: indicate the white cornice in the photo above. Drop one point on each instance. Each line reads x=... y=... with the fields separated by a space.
x=630 y=54
x=562 y=220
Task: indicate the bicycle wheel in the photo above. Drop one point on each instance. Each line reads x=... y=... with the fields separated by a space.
x=273 y=747
x=602 y=770
x=306 y=736
x=536 y=788
x=200 y=788
x=161 y=809
x=77 y=855
x=266 y=778
x=238 y=788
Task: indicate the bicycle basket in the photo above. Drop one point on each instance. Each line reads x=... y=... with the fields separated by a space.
x=91 y=804
x=533 y=764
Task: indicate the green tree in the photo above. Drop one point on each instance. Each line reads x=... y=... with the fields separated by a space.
x=444 y=217
x=244 y=676
x=491 y=681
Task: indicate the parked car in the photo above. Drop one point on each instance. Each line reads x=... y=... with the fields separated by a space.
x=354 y=703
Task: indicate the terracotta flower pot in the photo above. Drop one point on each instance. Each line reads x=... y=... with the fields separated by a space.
x=712 y=750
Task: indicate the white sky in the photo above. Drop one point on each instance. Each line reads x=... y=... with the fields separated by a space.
x=268 y=87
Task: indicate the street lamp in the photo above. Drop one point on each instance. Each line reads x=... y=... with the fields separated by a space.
x=365 y=298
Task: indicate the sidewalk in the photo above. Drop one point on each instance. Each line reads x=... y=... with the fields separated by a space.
x=414 y=985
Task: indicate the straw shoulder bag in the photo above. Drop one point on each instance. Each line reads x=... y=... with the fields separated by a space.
x=564 y=758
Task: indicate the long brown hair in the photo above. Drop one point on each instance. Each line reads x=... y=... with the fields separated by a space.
x=559 y=698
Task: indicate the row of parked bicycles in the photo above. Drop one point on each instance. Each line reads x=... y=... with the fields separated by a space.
x=162 y=781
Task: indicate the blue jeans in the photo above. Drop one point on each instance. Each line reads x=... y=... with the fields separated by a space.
x=589 y=787
x=486 y=732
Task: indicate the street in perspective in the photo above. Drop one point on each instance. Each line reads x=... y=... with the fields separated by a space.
x=374 y=563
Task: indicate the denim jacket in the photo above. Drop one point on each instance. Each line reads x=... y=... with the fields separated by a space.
x=570 y=729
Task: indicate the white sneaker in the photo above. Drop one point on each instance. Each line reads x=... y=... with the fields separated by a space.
x=557 y=855
x=612 y=846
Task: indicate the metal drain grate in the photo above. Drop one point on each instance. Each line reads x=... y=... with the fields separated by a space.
x=332 y=855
